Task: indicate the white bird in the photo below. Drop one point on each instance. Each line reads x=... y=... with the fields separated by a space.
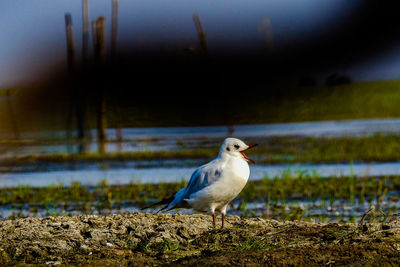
x=213 y=185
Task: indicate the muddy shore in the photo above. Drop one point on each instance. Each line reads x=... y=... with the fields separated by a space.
x=173 y=239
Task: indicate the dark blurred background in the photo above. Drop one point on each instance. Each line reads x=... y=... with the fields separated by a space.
x=189 y=64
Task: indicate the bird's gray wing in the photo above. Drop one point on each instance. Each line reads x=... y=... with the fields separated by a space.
x=201 y=178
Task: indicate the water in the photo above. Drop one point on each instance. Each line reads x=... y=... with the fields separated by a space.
x=174 y=138
x=315 y=129
x=92 y=174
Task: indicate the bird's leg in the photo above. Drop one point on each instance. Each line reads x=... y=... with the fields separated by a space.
x=223 y=213
x=214 y=219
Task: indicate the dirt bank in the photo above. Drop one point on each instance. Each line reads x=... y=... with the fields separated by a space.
x=149 y=239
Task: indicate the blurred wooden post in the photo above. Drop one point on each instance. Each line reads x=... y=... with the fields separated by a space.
x=100 y=58
x=99 y=37
x=114 y=28
x=94 y=41
x=85 y=32
x=83 y=94
x=94 y=37
x=70 y=67
x=75 y=100
x=231 y=130
x=114 y=34
x=12 y=116
x=70 y=42
x=200 y=33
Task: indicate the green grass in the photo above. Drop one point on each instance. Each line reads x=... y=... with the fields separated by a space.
x=298 y=186
x=254 y=243
x=145 y=155
x=283 y=103
x=337 y=149
x=359 y=100
x=281 y=194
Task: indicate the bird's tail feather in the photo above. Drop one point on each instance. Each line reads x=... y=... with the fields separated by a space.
x=163 y=208
x=164 y=201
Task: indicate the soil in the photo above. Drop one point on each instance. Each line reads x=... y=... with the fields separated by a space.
x=175 y=239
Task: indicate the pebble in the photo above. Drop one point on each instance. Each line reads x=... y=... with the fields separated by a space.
x=53 y=263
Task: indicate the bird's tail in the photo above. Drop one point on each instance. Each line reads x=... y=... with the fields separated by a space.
x=164 y=201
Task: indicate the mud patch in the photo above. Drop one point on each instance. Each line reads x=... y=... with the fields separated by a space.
x=173 y=239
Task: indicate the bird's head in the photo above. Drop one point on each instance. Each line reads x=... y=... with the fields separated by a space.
x=236 y=148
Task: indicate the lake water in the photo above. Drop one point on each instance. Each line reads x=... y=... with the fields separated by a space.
x=151 y=139
x=92 y=175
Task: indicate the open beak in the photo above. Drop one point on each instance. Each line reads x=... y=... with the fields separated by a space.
x=244 y=155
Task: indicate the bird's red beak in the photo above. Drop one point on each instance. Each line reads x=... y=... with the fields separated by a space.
x=245 y=156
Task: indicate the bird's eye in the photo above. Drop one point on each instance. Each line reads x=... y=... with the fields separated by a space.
x=228 y=149
x=236 y=146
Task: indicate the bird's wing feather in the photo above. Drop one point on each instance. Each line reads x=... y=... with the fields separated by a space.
x=203 y=177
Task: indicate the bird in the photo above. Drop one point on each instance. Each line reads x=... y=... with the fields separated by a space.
x=214 y=185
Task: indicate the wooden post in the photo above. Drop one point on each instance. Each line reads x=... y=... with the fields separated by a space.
x=114 y=35
x=70 y=68
x=75 y=99
x=100 y=41
x=85 y=32
x=200 y=33
x=114 y=28
x=94 y=37
x=12 y=116
x=83 y=94
x=70 y=42
x=100 y=58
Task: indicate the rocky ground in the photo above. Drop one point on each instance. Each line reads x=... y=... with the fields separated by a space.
x=173 y=239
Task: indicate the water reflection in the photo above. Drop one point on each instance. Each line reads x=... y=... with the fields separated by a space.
x=172 y=138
